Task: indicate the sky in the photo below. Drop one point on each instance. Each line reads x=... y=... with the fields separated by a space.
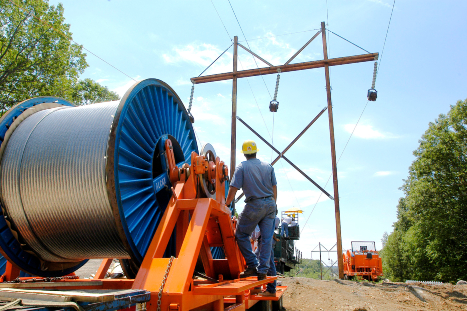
x=422 y=72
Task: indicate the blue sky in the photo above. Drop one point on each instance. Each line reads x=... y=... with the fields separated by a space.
x=422 y=73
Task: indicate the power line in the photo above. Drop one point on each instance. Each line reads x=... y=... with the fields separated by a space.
x=266 y=89
x=267 y=129
x=70 y=38
x=348 y=41
x=284 y=34
x=254 y=59
x=387 y=30
x=355 y=127
x=228 y=34
x=215 y=60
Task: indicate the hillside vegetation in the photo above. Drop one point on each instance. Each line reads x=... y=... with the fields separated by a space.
x=428 y=241
x=310 y=268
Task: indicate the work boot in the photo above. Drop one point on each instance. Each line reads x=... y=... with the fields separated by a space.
x=267 y=294
x=255 y=291
x=248 y=272
x=261 y=276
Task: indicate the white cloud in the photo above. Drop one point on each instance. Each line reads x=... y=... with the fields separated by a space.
x=381 y=3
x=384 y=173
x=203 y=54
x=366 y=132
x=124 y=86
x=182 y=81
x=202 y=111
x=299 y=199
x=101 y=80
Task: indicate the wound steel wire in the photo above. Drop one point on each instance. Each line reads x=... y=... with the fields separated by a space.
x=53 y=183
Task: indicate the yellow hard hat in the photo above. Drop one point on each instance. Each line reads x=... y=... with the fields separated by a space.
x=249 y=147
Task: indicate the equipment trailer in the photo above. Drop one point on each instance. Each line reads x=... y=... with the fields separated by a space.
x=158 y=206
x=286 y=255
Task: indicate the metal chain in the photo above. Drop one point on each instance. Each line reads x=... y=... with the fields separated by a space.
x=375 y=71
x=191 y=99
x=159 y=297
x=277 y=83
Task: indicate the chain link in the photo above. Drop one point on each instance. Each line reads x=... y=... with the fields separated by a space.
x=375 y=71
x=161 y=289
x=191 y=99
x=277 y=83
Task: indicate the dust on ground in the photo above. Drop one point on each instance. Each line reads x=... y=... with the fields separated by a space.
x=311 y=294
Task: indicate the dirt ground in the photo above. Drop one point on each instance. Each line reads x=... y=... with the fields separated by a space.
x=311 y=294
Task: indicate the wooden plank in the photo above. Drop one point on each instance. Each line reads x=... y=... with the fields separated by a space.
x=82 y=296
x=68 y=283
x=286 y=68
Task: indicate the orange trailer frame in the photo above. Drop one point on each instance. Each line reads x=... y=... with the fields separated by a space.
x=199 y=223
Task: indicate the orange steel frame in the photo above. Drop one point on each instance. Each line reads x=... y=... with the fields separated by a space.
x=199 y=223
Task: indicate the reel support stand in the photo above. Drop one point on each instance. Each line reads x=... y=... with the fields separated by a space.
x=200 y=223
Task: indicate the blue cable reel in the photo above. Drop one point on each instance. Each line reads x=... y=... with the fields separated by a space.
x=137 y=182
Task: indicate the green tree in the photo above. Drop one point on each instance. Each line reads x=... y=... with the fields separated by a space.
x=88 y=92
x=428 y=242
x=38 y=56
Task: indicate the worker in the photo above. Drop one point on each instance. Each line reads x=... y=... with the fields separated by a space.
x=256 y=236
x=286 y=221
x=258 y=181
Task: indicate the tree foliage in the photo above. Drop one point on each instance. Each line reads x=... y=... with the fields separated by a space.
x=88 y=92
x=37 y=55
x=428 y=242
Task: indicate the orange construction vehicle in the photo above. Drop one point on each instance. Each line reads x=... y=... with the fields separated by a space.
x=362 y=261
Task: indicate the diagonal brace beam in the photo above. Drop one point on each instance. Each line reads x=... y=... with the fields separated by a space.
x=287 y=160
x=303 y=47
x=256 y=55
x=292 y=143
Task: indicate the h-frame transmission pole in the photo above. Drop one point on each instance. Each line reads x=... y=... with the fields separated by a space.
x=287 y=67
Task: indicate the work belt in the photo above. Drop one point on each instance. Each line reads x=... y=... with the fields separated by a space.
x=252 y=199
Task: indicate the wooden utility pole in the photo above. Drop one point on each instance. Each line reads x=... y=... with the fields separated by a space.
x=233 y=139
x=333 y=155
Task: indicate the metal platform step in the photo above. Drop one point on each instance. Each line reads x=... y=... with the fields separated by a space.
x=279 y=292
x=231 y=287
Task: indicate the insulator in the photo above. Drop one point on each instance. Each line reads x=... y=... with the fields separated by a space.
x=89 y=181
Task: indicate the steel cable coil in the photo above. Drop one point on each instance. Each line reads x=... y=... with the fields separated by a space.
x=90 y=181
x=54 y=186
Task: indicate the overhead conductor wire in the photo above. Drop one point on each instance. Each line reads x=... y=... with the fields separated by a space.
x=251 y=89
x=384 y=44
x=222 y=21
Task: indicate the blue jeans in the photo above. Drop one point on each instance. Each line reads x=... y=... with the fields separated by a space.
x=261 y=212
x=270 y=287
x=285 y=230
